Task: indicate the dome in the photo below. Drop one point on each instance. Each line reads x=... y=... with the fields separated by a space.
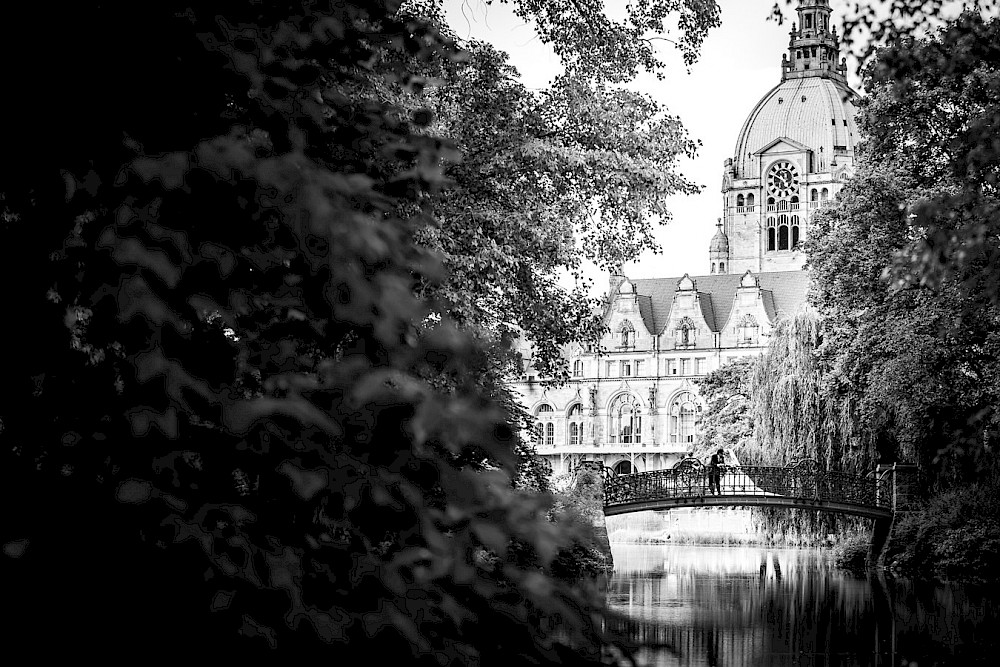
x=815 y=111
x=719 y=242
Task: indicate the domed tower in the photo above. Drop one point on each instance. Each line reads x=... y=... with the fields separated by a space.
x=718 y=250
x=794 y=151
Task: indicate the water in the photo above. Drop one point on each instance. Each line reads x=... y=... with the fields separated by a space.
x=732 y=606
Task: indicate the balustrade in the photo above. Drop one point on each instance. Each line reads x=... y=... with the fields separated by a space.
x=802 y=480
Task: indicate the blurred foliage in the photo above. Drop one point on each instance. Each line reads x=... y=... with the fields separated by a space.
x=231 y=424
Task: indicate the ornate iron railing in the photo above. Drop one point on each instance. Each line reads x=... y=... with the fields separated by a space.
x=800 y=480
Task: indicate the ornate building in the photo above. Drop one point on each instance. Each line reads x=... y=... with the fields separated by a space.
x=635 y=406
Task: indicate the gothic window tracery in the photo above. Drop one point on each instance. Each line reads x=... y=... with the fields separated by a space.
x=747 y=330
x=684 y=410
x=545 y=428
x=575 y=431
x=782 y=232
x=771 y=225
x=625 y=420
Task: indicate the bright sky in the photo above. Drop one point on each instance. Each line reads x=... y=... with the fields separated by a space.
x=740 y=62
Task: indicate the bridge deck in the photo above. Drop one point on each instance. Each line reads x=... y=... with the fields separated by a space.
x=798 y=487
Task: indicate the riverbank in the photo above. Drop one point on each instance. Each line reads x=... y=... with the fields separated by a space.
x=954 y=536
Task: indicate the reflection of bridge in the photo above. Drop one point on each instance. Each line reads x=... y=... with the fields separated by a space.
x=802 y=485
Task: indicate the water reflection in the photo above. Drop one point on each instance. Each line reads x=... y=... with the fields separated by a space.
x=730 y=606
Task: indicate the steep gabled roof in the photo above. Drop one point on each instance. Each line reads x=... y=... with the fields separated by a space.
x=705 y=299
x=784 y=293
x=646 y=311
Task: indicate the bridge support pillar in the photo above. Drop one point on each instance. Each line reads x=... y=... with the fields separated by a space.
x=905 y=485
x=589 y=490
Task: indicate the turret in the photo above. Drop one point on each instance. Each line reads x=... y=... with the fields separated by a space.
x=813 y=45
x=718 y=250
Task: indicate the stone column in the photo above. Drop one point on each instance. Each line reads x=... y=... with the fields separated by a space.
x=906 y=496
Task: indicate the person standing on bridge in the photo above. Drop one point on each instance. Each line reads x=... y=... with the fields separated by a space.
x=715 y=472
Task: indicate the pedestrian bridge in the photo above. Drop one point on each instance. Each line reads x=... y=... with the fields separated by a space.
x=801 y=485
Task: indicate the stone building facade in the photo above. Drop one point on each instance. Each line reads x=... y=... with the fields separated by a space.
x=634 y=406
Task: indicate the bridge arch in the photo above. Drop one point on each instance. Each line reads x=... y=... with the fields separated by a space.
x=800 y=485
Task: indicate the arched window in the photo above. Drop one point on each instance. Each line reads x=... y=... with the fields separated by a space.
x=625 y=420
x=623 y=468
x=684 y=334
x=770 y=233
x=783 y=205
x=795 y=232
x=782 y=232
x=713 y=267
x=545 y=428
x=739 y=200
x=722 y=267
x=824 y=195
x=683 y=413
x=626 y=334
x=578 y=369
x=814 y=195
x=747 y=330
x=575 y=417
x=750 y=200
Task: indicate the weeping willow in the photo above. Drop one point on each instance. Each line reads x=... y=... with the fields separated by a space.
x=796 y=415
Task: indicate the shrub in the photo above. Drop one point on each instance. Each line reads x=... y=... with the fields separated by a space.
x=852 y=552
x=955 y=536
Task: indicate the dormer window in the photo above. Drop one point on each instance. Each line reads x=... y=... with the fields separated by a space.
x=747 y=330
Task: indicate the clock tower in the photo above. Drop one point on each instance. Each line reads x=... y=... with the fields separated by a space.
x=794 y=151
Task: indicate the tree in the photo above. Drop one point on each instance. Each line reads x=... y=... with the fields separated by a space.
x=221 y=415
x=726 y=421
x=903 y=264
x=578 y=171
